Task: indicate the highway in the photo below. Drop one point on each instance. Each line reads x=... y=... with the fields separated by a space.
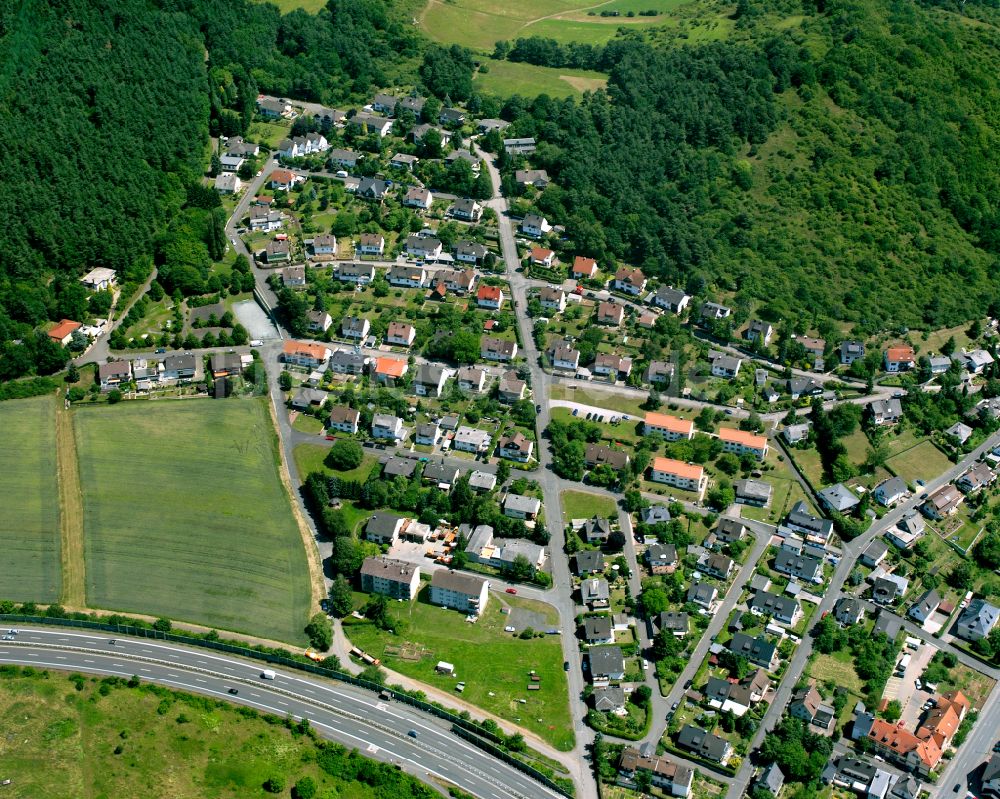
x=348 y=715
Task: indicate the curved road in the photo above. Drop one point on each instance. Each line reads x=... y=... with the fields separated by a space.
x=351 y=716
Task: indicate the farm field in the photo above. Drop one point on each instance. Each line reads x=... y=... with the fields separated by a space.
x=187 y=495
x=493 y=664
x=29 y=522
x=148 y=741
x=508 y=77
x=582 y=505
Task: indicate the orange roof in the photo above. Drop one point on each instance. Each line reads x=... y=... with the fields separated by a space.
x=63 y=329
x=317 y=351
x=900 y=354
x=584 y=266
x=899 y=740
x=391 y=367
x=668 y=422
x=540 y=253
x=678 y=468
x=282 y=176
x=489 y=293
x=744 y=437
x=943 y=720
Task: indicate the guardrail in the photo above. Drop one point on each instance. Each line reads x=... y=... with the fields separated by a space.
x=482 y=737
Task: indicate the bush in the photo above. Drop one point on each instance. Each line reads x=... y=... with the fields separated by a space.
x=344 y=455
x=274 y=784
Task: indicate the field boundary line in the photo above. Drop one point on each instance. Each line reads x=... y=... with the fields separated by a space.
x=71 y=534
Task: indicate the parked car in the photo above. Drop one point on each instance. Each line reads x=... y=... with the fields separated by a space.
x=576 y=411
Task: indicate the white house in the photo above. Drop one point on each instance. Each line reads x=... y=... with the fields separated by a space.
x=387 y=426
x=535 y=226
x=99 y=279
x=471 y=439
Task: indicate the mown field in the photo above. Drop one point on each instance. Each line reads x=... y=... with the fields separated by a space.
x=60 y=741
x=508 y=77
x=185 y=516
x=29 y=501
x=584 y=505
x=493 y=664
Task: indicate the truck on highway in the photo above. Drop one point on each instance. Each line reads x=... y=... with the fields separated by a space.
x=267 y=674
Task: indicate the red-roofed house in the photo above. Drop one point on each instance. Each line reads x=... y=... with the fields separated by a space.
x=899 y=359
x=62 y=333
x=542 y=256
x=304 y=353
x=942 y=721
x=284 y=179
x=585 y=268
x=897 y=744
x=490 y=297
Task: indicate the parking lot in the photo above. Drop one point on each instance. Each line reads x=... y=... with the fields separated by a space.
x=904 y=690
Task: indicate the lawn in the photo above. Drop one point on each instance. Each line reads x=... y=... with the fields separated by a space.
x=185 y=516
x=509 y=77
x=613 y=402
x=970 y=682
x=29 y=522
x=493 y=664
x=305 y=423
x=581 y=505
x=921 y=462
x=117 y=741
x=268 y=133
x=309 y=458
x=309 y=6
x=838 y=669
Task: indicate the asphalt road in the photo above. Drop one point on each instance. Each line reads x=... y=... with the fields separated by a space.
x=342 y=713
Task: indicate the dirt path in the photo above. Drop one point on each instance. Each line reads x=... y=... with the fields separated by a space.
x=74 y=585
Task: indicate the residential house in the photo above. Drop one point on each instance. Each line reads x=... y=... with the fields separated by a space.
x=355 y=327
x=601 y=454
x=704 y=744
x=804 y=387
x=470 y=439
x=925 y=606
x=273 y=109
x=538 y=178
x=610 y=313
x=388 y=370
x=659 y=372
x=440 y=474
x=429 y=380
x=276 y=251
x=304 y=353
x=629 y=281
x=384 y=528
x=371 y=244
x=343 y=419
x=485 y=126
x=607 y=663
x=676 y=621
x=524 y=146
x=771 y=779
x=535 y=226
x=589 y=562
x=63 y=332
x=284 y=179
x=898 y=745
x=671 y=299
x=976 y=477
x=753 y=492
x=226 y=364
x=808 y=706
x=838 y=498
x=887 y=411
x=420 y=131
x=428 y=434
x=306 y=398
x=399 y=467
x=887 y=624
x=598 y=630
x=812 y=527
x=403 y=161
x=703 y=594
x=497 y=349
x=943 y=502
x=401 y=335
x=490 y=297
x=975 y=361
x=874 y=553
x=939 y=364
x=718 y=565
x=384 y=104
x=666 y=426
x=713 y=311
x=783 y=609
x=393 y=578
x=661 y=558
x=737 y=697
x=990 y=779
x=614 y=367
x=670 y=777
x=977 y=620
x=888 y=588
x=461 y=281
x=759 y=330
x=848 y=610
x=324 y=244
x=418 y=197
x=451 y=116
x=237 y=146
x=899 y=359
x=228 y=183
x=584 y=268
x=467 y=210
x=521 y=507
x=943 y=720
x=459 y=591
x=689 y=477
x=729 y=530
x=346 y=362
x=851 y=351
x=372 y=189
x=804 y=567
x=542 y=256
x=511 y=388
x=343 y=158
x=596 y=530
x=114 y=374
x=370 y=123
x=595 y=593
x=319 y=321
x=758 y=651
x=563 y=356
x=408 y=276
x=470 y=252
x=470 y=378
x=743 y=442
x=655 y=514
x=552 y=298
x=726 y=366
x=387 y=426
x=891 y=491
x=180 y=367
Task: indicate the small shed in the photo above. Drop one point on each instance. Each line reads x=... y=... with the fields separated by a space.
x=444 y=667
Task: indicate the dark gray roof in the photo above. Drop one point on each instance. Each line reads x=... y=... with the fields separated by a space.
x=757 y=650
x=674 y=620
x=382 y=523
x=703 y=743
x=597 y=628
x=979 y=617
x=797 y=565
x=606 y=660
x=799 y=516
x=771 y=779
x=440 y=473
x=589 y=560
x=887 y=623
x=404 y=467
x=766 y=602
x=654 y=514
